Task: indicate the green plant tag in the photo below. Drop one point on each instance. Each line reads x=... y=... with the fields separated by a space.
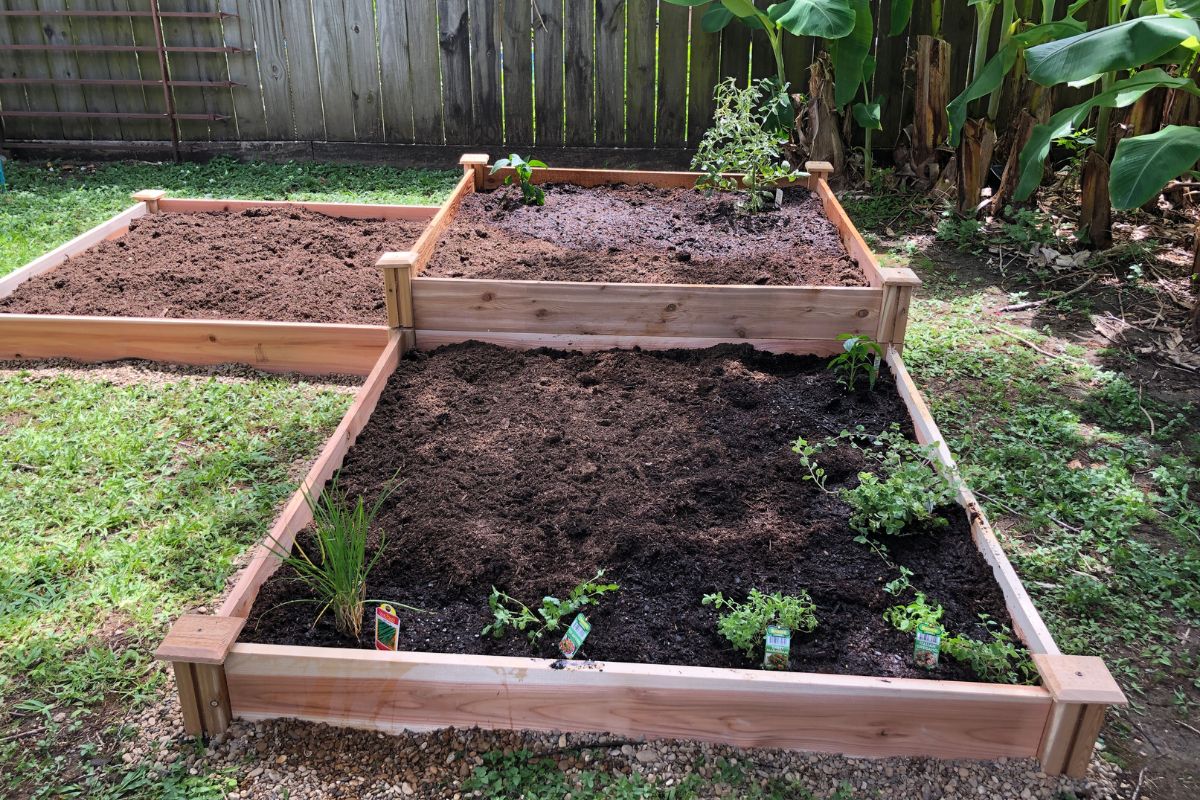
x=573 y=639
x=929 y=644
x=387 y=628
x=777 y=646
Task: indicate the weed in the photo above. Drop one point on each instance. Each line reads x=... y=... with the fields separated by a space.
x=531 y=195
x=744 y=624
x=861 y=355
x=509 y=613
x=741 y=140
x=962 y=233
x=1026 y=228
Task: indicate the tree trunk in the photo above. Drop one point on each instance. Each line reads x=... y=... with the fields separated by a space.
x=1095 y=219
x=1012 y=167
x=931 y=94
x=824 y=140
x=1196 y=282
x=974 y=161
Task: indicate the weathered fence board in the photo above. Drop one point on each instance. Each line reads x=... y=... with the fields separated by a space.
x=395 y=88
x=456 y=70
x=578 y=31
x=517 y=44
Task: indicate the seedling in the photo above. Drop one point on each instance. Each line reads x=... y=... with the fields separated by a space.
x=744 y=624
x=531 y=195
x=808 y=453
x=508 y=613
x=861 y=355
x=907 y=619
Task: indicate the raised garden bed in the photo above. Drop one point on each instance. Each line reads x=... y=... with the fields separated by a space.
x=864 y=714
x=262 y=282
x=564 y=271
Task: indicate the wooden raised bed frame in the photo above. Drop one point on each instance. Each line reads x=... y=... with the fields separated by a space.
x=592 y=316
x=220 y=679
x=311 y=348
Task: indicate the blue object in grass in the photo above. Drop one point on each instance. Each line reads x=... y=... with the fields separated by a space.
x=3 y=183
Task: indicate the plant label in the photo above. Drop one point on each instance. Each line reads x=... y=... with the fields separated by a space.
x=777 y=647
x=929 y=644
x=573 y=639
x=387 y=628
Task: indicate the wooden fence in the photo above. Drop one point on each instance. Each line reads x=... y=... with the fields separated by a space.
x=635 y=73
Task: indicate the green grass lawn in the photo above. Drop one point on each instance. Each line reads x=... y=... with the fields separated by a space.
x=47 y=205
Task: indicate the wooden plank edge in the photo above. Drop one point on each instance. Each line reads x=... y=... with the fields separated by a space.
x=429 y=339
x=296 y=514
x=426 y=243
x=181 y=205
x=1026 y=619
x=855 y=245
x=301 y=347
x=112 y=228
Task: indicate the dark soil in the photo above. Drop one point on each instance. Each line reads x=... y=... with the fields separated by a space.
x=673 y=471
x=642 y=234
x=263 y=264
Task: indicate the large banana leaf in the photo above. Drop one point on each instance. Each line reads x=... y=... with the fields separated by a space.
x=849 y=52
x=1143 y=165
x=901 y=13
x=1119 y=95
x=1189 y=7
x=1126 y=45
x=993 y=72
x=826 y=19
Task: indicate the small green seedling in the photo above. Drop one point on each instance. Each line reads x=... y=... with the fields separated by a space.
x=523 y=172
x=508 y=613
x=808 y=453
x=907 y=619
x=862 y=356
x=744 y=624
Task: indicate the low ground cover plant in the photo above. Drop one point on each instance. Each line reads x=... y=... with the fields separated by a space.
x=338 y=576
x=743 y=140
x=531 y=195
x=509 y=613
x=744 y=624
x=861 y=356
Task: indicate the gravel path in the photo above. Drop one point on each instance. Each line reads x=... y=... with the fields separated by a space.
x=301 y=760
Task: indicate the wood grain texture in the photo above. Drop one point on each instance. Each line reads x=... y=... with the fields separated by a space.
x=548 y=72
x=730 y=313
x=704 y=71
x=109 y=229
x=12 y=96
x=427 y=241
x=484 y=25
x=329 y=21
x=395 y=86
x=1027 y=622
x=296 y=514
x=200 y=639
x=516 y=39
x=749 y=708
x=349 y=210
x=270 y=346
x=307 y=115
x=428 y=339
x=610 y=71
x=851 y=238
x=271 y=53
x=92 y=30
x=642 y=27
x=363 y=62
x=423 y=54
x=212 y=67
x=454 y=45
x=248 y=98
x=671 y=130
x=579 y=32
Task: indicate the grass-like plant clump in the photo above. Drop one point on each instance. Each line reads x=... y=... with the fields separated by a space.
x=744 y=624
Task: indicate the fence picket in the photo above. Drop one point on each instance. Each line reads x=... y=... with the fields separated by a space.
x=307 y=115
x=484 y=24
x=270 y=53
x=516 y=40
x=673 y=32
x=424 y=70
x=579 y=28
x=364 y=70
x=454 y=40
x=329 y=29
x=395 y=88
x=548 y=72
x=610 y=72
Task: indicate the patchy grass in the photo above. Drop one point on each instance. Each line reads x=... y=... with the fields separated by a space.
x=48 y=204
x=123 y=505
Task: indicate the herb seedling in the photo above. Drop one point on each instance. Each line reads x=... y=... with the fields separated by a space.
x=998 y=661
x=907 y=619
x=861 y=355
x=808 y=453
x=508 y=613
x=531 y=195
x=744 y=138
x=744 y=624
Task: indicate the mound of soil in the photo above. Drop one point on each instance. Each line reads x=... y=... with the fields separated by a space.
x=673 y=471
x=262 y=264
x=643 y=234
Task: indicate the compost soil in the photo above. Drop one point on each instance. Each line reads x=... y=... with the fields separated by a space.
x=673 y=471
x=262 y=264
x=643 y=234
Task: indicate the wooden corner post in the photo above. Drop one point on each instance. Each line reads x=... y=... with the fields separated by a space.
x=397 y=282
x=196 y=647
x=898 y=286
x=1081 y=689
x=817 y=171
x=150 y=197
x=476 y=163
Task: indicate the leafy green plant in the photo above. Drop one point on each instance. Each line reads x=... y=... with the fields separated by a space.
x=338 y=576
x=741 y=141
x=998 y=661
x=508 y=613
x=908 y=495
x=744 y=624
x=531 y=194
x=908 y=618
x=861 y=355
x=962 y=233
x=1027 y=227
x=808 y=453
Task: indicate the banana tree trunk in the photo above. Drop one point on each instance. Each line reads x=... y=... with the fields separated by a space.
x=1095 y=219
x=824 y=139
x=974 y=160
x=1196 y=282
x=1012 y=166
x=931 y=94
